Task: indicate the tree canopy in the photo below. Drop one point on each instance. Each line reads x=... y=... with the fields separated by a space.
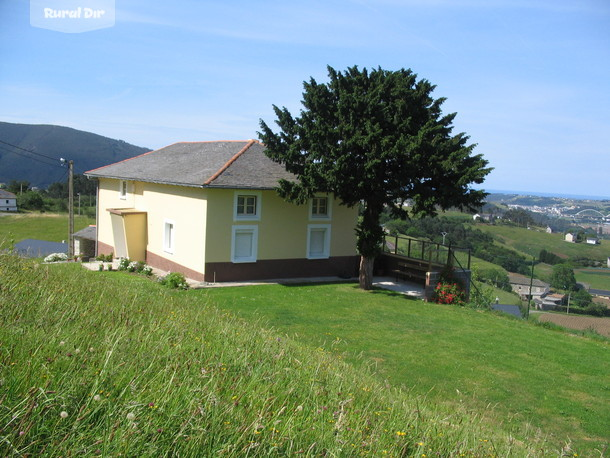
x=376 y=138
x=563 y=277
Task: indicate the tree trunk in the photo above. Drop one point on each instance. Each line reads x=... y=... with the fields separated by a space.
x=365 y=278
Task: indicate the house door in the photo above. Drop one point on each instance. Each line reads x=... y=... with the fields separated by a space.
x=118 y=233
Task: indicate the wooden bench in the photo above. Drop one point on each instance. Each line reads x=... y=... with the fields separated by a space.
x=410 y=271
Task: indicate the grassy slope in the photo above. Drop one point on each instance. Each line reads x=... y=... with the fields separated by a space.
x=595 y=278
x=530 y=375
x=50 y=227
x=151 y=372
x=531 y=242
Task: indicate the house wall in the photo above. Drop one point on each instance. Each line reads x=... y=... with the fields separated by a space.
x=185 y=207
x=203 y=220
x=8 y=205
x=281 y=242
x=282 y=228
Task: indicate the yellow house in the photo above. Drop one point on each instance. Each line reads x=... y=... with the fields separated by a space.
x=209 y=210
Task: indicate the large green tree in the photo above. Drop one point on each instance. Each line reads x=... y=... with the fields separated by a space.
x=563 y=277
x=376 y=138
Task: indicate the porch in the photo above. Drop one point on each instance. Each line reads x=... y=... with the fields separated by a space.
x=421 y=262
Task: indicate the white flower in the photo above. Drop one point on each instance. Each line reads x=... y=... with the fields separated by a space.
x=97 y=397
x=63 y=414
x=131 y=416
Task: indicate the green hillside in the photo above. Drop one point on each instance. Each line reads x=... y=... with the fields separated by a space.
x=87 y=150
x=531 y=241
x=318 y=370
x=153 y=372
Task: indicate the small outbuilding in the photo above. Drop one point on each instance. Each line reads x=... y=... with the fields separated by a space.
x=84 y=242
x=572 y=238
x=8 y=201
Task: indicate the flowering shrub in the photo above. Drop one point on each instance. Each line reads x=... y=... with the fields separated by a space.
x=55 y=257
x=449 y=293
x=175 y=280
x=124 y=264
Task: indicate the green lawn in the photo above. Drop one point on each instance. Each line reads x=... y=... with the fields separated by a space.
x=596 y=278
x=85 y=371
x=531 y=376
x=50 y=227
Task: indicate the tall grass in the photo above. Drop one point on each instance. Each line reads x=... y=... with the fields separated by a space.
x=90 y=366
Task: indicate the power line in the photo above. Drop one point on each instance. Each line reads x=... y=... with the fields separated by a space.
x=30 y=157
x=28 y=151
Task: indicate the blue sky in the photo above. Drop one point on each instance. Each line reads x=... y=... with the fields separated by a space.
x=529 y=79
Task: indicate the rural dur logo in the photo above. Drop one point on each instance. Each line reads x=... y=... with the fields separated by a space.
x=72 y=16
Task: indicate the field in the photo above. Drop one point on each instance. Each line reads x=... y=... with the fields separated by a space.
x=582 y=323
x=448 y=355
x=275 y=370
x=595 y=278
x=154 y=372
x=43 y=226
x=532 y=241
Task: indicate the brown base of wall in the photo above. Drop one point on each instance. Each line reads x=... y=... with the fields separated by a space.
x=159 y=262
x=102 y=248
x=341 y=266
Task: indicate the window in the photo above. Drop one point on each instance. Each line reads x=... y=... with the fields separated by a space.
x=123 y=190
x=244 y=241
x=247 y=206
x=168 y=237
x=318 y=241
x=319 y=208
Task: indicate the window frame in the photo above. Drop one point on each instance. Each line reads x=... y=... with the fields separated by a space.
x=246 y=217
x=123 y=185
x=319 y=217
x=326 y=251
x=253 y=230
x=169 y=242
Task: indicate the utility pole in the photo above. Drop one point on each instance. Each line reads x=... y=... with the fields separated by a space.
x=70 y=206
x=527 y=315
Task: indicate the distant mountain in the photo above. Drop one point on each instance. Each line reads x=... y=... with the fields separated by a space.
x=87 y=150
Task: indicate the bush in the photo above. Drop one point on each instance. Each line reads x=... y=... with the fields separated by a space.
x=449 y=293
x=174 y=280
x=105 y=257
x=124 y=264
x=56 y=257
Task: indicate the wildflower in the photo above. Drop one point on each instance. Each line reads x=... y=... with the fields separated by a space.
x=63 y=414
x=401 y=433
x=62 y=343
x=299 y=408
x=420 y=443
x=21 y=433
x=131 y=416
x=97 y=397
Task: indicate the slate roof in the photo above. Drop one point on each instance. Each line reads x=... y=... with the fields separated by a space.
x=88 y=233
x=218 y=164
x=7 y=195
x=517 y=279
